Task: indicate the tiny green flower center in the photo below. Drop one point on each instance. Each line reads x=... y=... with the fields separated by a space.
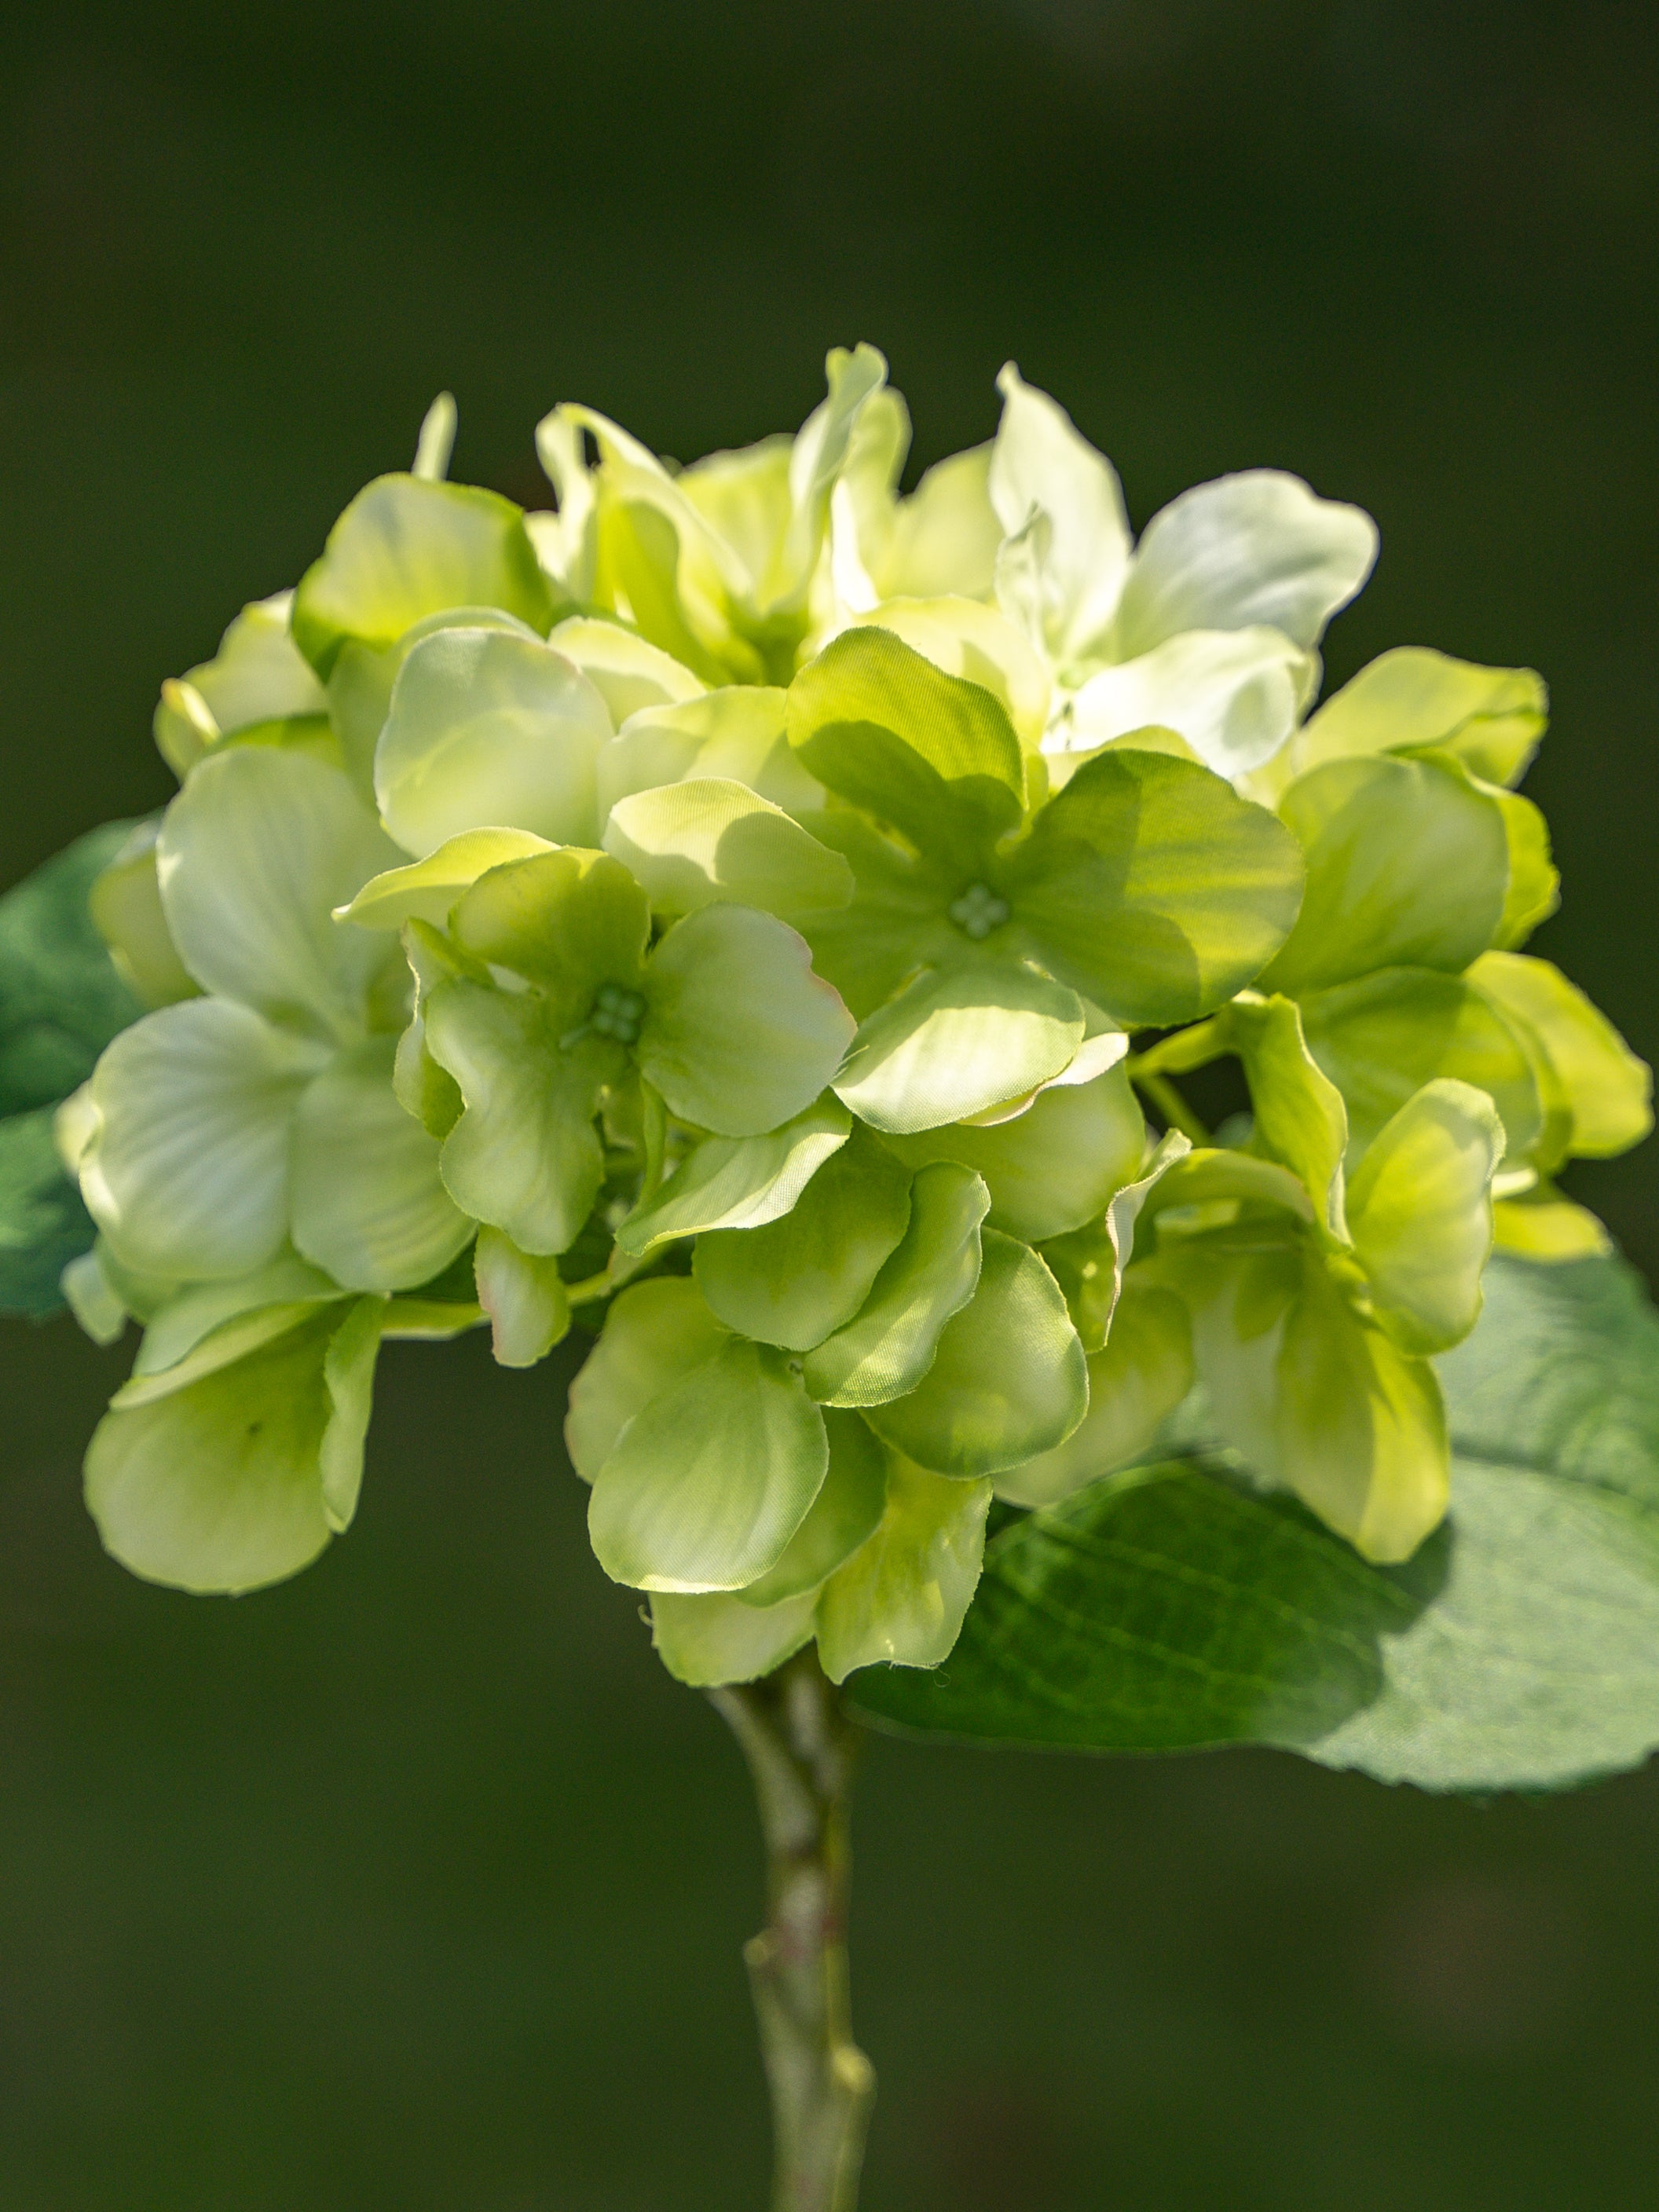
x=618 y=1014
x=979 y=911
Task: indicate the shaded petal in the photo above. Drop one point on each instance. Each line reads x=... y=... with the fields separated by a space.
x=738 y=1183
x=1491 y=717
x=692 y=844
x=1419 y=1208
x=958 y=1041
x=715 y=1638
x=1608 y=1089
x=525 y=1298
x=1300 y=1119
x=628 y=672
x=655 y=1334
x=845 y=1514
x=427 y=890
x=980 y=645
x=902 y=1597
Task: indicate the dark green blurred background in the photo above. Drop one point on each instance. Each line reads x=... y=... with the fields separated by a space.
x=414 y=1886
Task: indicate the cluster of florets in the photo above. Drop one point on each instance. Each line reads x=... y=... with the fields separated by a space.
x=754 y=908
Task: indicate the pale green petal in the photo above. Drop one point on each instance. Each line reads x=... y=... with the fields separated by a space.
x=1609 y=1092
x=1054 y=1167
x=739 y=1036
x=716 y=1638
x=1534 y=884
x=737 y=733
x=1419 y=1208
x=976 y=642
x=125 y=901
x=1194 y=1183
x=198 y=1310
x=1300 y=1119
x=258 y=675
x=423 y=1088
x=361 y=683
x=1151 y=887
x=944 y=537
x=816 y=460
x=1135 y=1384
x=1384 y=1037
x=885 y=730
x=890 y=1345
x=567 y=544
x=98 y=1308
x=368 y=1201
x=710 y=1479
x=628 y=673
x=187 y=1172
x=902 y=1597
x=1088 y=1265
x=1407 y=865
x=845 y=1514
x=239 y=1478
x=655 y=1334
x=524 y=1297
x=798 y=1278
x=694 y=843
x=956 y=1041
x=436 y=442
x=427 y=890
x=1040 y=461
x=405 y=547
x=1234 y=695
x=1491 y=717
x=524 y=1155
x=1255 y=549
x=1544 y=1226
x=1009 y=1379
x=570 y=921
x=899 y=920
x=256 y=853
x=738 y=1183
x=489 y=730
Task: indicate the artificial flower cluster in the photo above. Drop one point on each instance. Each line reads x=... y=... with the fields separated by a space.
x=754 y=906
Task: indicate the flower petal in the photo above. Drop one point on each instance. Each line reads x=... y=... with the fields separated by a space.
x=902 y=1597
x=956 y=1041
x=1419 y=1208
x=738 y=1183
x=655 y=1333
x=1233 y=696
x=694 y=843
x=1041 y=461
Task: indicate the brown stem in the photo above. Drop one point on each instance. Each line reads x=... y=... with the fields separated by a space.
x=800 y=1746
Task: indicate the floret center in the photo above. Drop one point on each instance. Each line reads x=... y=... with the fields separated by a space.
x=979 y=911
x=618 y=1014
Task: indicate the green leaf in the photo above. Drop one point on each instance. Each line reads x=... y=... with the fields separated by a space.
x=1135 y=1383
x=845 y=1514
x=1150 y=886
x=886 y=731
x=1491 y=717
x=239 y=1478
x=1054 y=1167
x=738 y=1183
x=716 y=1638
x=1167 y=1607
x=655 y=1334
x=488 y=729
x=1009 y=1379
x=61 y=999
x=43 y=1224
x=796 y=1279
x=525 y=1298
x=708 y=1481
x=958 y=1041
x=739 y=1036
x=1420 y=1208
x=406 y=548
x=901 y=1596
x=1408 y=866
x=890 y=1344
x=692 y=843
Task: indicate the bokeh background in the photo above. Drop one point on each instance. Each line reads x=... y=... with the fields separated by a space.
x=414 y=1886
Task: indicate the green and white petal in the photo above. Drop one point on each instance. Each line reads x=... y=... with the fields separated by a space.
x=890 y=1345
x=796 y=1281
x=1041 y=462
x=1384 y=1037
x=239 y=1478
x=1009 y=1379
x=1151 y=887
x=488 y=729
x=126 y=903
x=1542 y=1225
x=406 y=548
x=1135 y=1383
x=1054 y=1167
x=738 y=1183
x=1088 y=1264
x=944 y=537
x=255 y=853
x=887 y=730
x=737 y=731
x=187 y=1172
x=1234 y=695
x=709 y=1481
x=524 y=1155
x=525 y=1298
x=258 y=675
x=1408 y=866
x=569 y=921
x=655 y=1334
x=628 y=673
x=1534 y=884
x=180 y=1325
x=1300 y=1119
x=974 y=641
x=716 y=1638
x=1419 y=1208
x=739 y=1034
x=361 y=680
x=1608 y=1089
x=427 y=890
x=1491 y=717
x=845 y=1514
x=366 y=1201
x=901 y=1599
x=958 y=1041
x=1258 y=549
x=816 y=460
x=705 y=840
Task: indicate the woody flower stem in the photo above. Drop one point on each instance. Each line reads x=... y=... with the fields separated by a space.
x=800 y=1746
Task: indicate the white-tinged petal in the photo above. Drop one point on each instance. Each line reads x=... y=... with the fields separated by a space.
x=627 y=671
x=1234 y=695
x=1041 y=461
x=186 y=1173
x=425 y=889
